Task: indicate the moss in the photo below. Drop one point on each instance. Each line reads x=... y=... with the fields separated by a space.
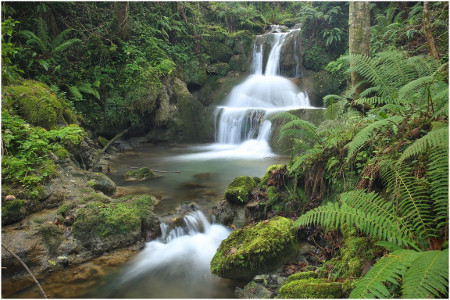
x=38 y=105
x=302 y=275
x=217 y=51
x=52 y=236
x=256 y=249
x=63 y=209
x=310 y=289
x=139 y=174
x=121 y=218
x=266 y=176
x=195 y=72
x=239 y=190
x=101 y=182
x=12 y=211
x=61 y=152
x=102 y=141
x=219 y=68
x=92 y=196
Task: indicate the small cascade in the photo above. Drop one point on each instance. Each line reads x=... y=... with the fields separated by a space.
x=244 y=120
x=177 y=263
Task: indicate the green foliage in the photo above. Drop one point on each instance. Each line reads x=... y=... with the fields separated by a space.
x=9 y=51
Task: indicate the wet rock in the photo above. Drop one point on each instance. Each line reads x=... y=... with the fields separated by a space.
x=101 y=182
x=232 y=214
x=253 y=291
x=257 y=249
x=140 y=174
x=239 y=190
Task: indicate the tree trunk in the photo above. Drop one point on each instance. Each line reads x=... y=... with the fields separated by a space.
x=359 y=36
x=428 y=34
x=122 y=9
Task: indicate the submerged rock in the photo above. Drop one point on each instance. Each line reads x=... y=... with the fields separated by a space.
x=256 y=249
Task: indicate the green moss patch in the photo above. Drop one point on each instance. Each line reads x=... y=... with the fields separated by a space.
x=139 y=174
x=239 y=190
x=38 y=105
x=310 y=289
x=256 y=249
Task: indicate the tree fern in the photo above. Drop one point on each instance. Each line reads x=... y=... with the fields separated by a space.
x=389 y=269
x=365 y=134
x=427 y=276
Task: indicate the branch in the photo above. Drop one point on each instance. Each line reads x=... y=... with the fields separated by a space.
x=26 y=268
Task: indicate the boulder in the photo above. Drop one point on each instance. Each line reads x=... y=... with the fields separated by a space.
x=219 y=68
x=101 y=182
x=312 y=288
x=240 y=189
x=253 y=290
x=256 y=249
x=139 y=174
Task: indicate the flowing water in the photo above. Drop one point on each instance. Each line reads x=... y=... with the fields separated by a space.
x=176 y=265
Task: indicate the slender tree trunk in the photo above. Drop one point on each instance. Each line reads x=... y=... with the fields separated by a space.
x=428 y=33
x=122 y=9
x=359 y=36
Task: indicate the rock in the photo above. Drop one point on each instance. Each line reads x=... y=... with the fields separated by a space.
x=312 y=288
x=260 y=248
x=302 y=275
x=239 y=190
x=253 y=291
x=219 y=68
x=139 y=174
x=217 y=52
x=101 y=182
x=232 y=214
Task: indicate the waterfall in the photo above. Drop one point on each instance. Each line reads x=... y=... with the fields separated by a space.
x=244 y=120
x=176 y=265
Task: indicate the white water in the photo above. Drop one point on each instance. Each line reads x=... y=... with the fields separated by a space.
x=242 y=124
x=178 y=263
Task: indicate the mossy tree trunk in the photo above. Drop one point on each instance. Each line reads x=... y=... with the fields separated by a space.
x=359 y=36
x=428 y=31
x=122 y=9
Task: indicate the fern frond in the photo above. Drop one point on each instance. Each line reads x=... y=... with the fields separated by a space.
x=437 y=137
x=378 y=100
x=66 y=45
x=367 y=212
x=285 y=115
x=75 y=92
x=308 y=128
x=427 y=276
x=309 y=155
x=388 y=269
x=438 y=176
x=365 y=134
x=88 y=89
x=34 y=39
x=59 y=39
x=413 y=199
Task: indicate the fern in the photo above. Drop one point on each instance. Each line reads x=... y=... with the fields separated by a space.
x=427 y=276
x=365 y=134
x=368 y=212
x=413 y=199
x=75 y=92
x=437 y=137
x=389 y=269
x=308 y=129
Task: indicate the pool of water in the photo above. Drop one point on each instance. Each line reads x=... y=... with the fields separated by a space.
x=165 y=268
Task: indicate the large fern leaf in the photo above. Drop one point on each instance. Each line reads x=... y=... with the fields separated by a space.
x=304 y=127
x=389 y=269
x=427 y=276
x=366 y=212
x=365 y=134
x=437 y=137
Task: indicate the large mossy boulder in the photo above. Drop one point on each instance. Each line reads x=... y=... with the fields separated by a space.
x=240 y=189
x=256 y=249
x=101 y=227
x=38 y=105
x=312 y=288
x=219 y=68
x=217 y=52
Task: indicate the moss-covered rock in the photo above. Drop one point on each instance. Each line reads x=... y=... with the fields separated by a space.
x=101 y=227
x=239 y=62
x=240 y=189
x=38 y=105
x=101 y=182
x=256 y=249
x=217 y=52
x=52 y=235
x=13 y=211
x=195 y=72
x=302 y=275
x=312 y=288
x=253 y=290
x=219 y=68
x=266 y=176
x=139 y=174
